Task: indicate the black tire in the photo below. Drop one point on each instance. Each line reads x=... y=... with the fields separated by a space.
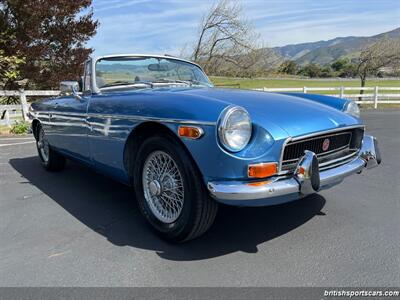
x=54 y=161
x=198 y=210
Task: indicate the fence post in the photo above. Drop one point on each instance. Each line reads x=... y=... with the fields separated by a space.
x=7 y=118
x=305 y=90
x=376 y=97
x=342 y=92
x=24 y=104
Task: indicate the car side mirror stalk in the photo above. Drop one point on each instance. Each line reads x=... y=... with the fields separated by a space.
x=70 y=88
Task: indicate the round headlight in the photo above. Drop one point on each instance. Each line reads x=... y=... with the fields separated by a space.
x=351 y=108
x=234 y=129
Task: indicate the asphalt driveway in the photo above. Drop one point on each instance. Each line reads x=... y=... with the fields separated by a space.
x=78 y=228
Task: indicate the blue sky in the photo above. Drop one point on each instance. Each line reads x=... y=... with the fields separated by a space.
x=167 y=26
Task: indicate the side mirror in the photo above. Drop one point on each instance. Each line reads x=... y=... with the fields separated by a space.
x=70 y=88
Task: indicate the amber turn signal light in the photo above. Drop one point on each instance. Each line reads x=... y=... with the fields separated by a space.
x=262 y=170
x=190 y=132
x=301 y=171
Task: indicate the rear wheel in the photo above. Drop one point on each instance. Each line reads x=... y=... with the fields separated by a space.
x=51 y=160
x=170 y=192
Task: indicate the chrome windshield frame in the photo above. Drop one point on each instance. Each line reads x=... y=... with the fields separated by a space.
x=94 y=61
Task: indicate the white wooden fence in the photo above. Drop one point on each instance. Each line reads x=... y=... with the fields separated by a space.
x=374 y=95
x=8 y=113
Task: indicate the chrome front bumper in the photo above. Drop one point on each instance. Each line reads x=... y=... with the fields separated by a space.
x=306 y=180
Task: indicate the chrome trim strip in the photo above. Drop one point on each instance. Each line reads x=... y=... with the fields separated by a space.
x=318 y=137
x=289 y=139
x=337 y=164
x=94 y=61
x=128 y=117
x=61 y=113
x=161 y=120
x=133 y=55
x=327 y=163
x=327 y=131
x=321 y=155
x=282 y=152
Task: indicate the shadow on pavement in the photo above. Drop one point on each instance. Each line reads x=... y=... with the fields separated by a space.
x=108 y=208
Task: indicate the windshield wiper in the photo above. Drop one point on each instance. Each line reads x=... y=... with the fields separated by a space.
x=189 y=82
x=117 y=83
x=163 y=80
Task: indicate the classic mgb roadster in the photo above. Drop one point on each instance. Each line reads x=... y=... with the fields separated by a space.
x=158 y=124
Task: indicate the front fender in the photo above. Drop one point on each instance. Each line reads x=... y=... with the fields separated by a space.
x=335 y=102
x=217 y=164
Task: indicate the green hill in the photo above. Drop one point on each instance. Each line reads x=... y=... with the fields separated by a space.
x=324 y=52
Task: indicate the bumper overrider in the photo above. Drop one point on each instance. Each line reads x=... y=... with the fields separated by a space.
x=306 y=180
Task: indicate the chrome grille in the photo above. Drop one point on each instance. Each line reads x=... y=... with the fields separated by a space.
x=343 y=147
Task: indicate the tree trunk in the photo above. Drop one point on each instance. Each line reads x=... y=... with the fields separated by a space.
x=363 y=80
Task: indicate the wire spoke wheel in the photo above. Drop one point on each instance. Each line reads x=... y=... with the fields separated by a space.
x=169 y=189
x=43 y=145
x=163 y=186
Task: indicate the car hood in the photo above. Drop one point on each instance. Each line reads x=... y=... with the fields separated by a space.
x=281 y=114
x=293 y=114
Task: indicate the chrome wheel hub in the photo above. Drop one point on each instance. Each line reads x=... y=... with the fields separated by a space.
x=155 y=188
x=163 y=186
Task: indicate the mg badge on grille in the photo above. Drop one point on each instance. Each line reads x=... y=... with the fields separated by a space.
x=325 y=145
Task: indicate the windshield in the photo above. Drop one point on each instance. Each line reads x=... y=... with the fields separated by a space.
x=140 y=72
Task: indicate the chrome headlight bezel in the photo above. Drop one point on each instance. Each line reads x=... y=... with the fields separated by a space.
x=226 y=125
x=351 y=108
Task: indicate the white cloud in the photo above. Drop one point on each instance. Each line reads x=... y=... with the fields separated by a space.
x=165 y=26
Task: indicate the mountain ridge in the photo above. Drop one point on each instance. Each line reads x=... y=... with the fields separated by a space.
x=326 y=51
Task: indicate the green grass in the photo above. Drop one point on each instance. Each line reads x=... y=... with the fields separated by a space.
x=20 y=128
x=246 y=83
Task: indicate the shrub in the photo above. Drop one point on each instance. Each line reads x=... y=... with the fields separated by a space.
x=310 y=70
x=20 y=128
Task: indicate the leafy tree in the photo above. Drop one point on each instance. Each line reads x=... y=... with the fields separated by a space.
x=348 y=70
x=344 y=68
x=340 y=64
x=50 y=35
x=311 y=70
x=9 y=73
x=326 y=71
x=9 y=69
x=288 y=67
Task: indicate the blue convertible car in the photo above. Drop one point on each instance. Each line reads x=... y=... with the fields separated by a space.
x=158 y=124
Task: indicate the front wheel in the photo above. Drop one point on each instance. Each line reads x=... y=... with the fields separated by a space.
x=51 y=160
x=170 y=192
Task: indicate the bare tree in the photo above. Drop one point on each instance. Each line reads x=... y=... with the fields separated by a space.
x=226 y=39
x=383 y=53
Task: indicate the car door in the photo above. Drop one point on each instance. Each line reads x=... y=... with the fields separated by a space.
x=69 y=121
x=108 y=134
